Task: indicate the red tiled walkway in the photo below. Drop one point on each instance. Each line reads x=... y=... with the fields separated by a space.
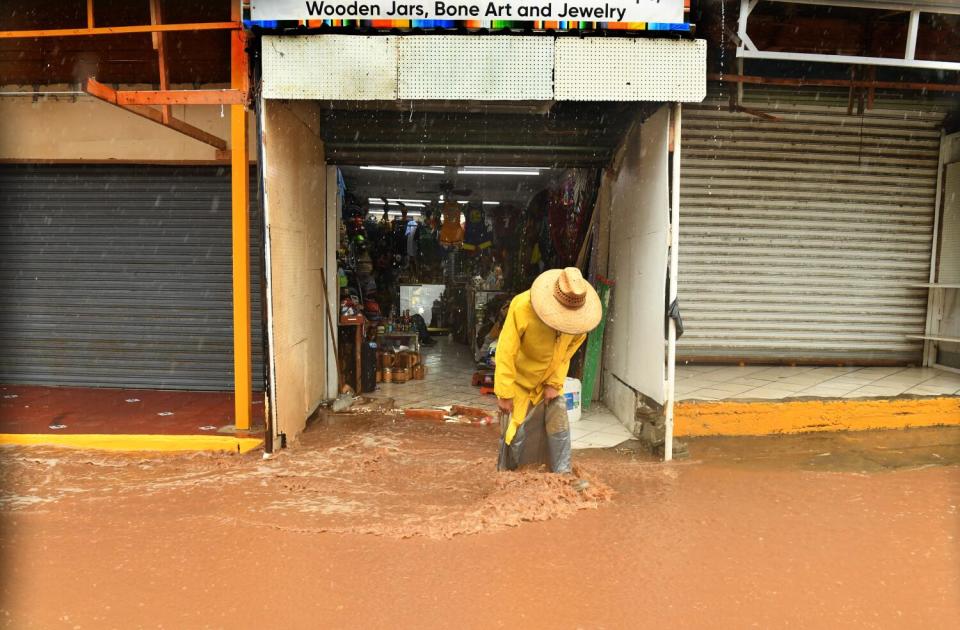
x=35 y=409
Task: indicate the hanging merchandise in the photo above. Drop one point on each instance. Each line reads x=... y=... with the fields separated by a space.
x=364 y=262
x=559 y=209
x=411 y=237
x=529 y=260
x=451 y=232
x=570 y=204
x=398 y=239
x=382 y=246
x=506 y=230
x=505 y=226
x=477 y=235
x=428 y=245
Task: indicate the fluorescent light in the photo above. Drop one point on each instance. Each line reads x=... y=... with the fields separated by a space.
x=404 y=169
x=491 y=203
x=462 y=201
x=394 y=202
x=493 y=170
x=408 y=201
x=531 y=173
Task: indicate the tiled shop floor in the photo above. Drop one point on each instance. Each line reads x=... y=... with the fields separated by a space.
x=449 y=370
x=598 y=428
x=764 y=382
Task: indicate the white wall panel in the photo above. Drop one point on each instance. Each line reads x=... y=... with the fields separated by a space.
x=639 y=202
x=474 y=67
x=295 y=179
x=337 y=67
x=950 y=238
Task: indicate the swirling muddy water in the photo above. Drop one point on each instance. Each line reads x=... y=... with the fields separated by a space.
x=378 y=521
x=374 y=475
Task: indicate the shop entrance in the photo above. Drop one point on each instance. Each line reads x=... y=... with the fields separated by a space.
x=430 y=256
x=425 y=218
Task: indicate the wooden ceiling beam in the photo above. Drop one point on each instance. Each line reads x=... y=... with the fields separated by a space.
x=122 y=30
x=108 y=95
x=159 y=44
x=181 y=97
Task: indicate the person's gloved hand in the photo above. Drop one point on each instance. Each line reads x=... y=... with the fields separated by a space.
x=549 y=393
x=505 y=405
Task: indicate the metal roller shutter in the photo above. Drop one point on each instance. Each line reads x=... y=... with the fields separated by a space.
x=120 y=276
x=804 y=240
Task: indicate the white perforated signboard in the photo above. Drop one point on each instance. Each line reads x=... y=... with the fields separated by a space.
x=474 y=67
x=469 y=67
x=670 y=11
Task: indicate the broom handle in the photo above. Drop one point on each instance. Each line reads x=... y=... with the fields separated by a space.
x=333 y=335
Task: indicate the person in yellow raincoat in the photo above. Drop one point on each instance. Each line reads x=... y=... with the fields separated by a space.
x=543 y=329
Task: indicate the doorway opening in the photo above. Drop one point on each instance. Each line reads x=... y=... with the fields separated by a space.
x=431 y=257
x=426 y=218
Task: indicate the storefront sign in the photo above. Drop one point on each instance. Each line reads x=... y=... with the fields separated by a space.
x=667 y=11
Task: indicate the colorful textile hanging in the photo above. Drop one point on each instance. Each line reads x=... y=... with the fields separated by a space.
x=477 y=235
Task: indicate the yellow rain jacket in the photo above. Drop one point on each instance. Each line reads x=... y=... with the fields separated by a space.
x=530 y=356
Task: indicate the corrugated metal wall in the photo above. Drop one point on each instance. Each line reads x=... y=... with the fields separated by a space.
x=120 y=276
x=804 y=239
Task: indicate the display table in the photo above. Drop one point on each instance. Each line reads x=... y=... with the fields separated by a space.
x=409 y=338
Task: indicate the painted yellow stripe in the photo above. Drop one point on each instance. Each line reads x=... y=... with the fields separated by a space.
x=802 y=416
x=123 y=442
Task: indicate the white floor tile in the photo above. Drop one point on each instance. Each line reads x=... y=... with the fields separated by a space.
x=591 y=425
x=618 y=430
x=776 y=382
x=923 y=390
x=603 y=440
x=870 y=391
x=576 y=433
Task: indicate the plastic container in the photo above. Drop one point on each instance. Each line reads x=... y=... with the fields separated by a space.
x=571 y=393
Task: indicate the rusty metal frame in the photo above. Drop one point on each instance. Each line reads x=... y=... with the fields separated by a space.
x=843 y=83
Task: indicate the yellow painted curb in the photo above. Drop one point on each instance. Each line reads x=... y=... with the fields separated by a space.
x=125 y=442
x=803 y=416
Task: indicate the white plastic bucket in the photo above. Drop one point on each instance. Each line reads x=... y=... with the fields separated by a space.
x=571 y=393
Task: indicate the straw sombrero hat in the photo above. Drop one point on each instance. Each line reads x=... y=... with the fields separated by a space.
x=564 y=301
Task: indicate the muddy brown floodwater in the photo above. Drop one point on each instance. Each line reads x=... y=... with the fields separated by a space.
x=380 y=522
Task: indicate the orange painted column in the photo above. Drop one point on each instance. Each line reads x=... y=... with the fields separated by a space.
x=242 y=371
x=239 y=174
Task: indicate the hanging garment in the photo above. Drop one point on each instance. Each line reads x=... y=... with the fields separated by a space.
x=505 y=225
x=451 y=233
x=411 y=236
x=428 y=247
x=477 y=234
x=364 y=263
x=530 y=356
